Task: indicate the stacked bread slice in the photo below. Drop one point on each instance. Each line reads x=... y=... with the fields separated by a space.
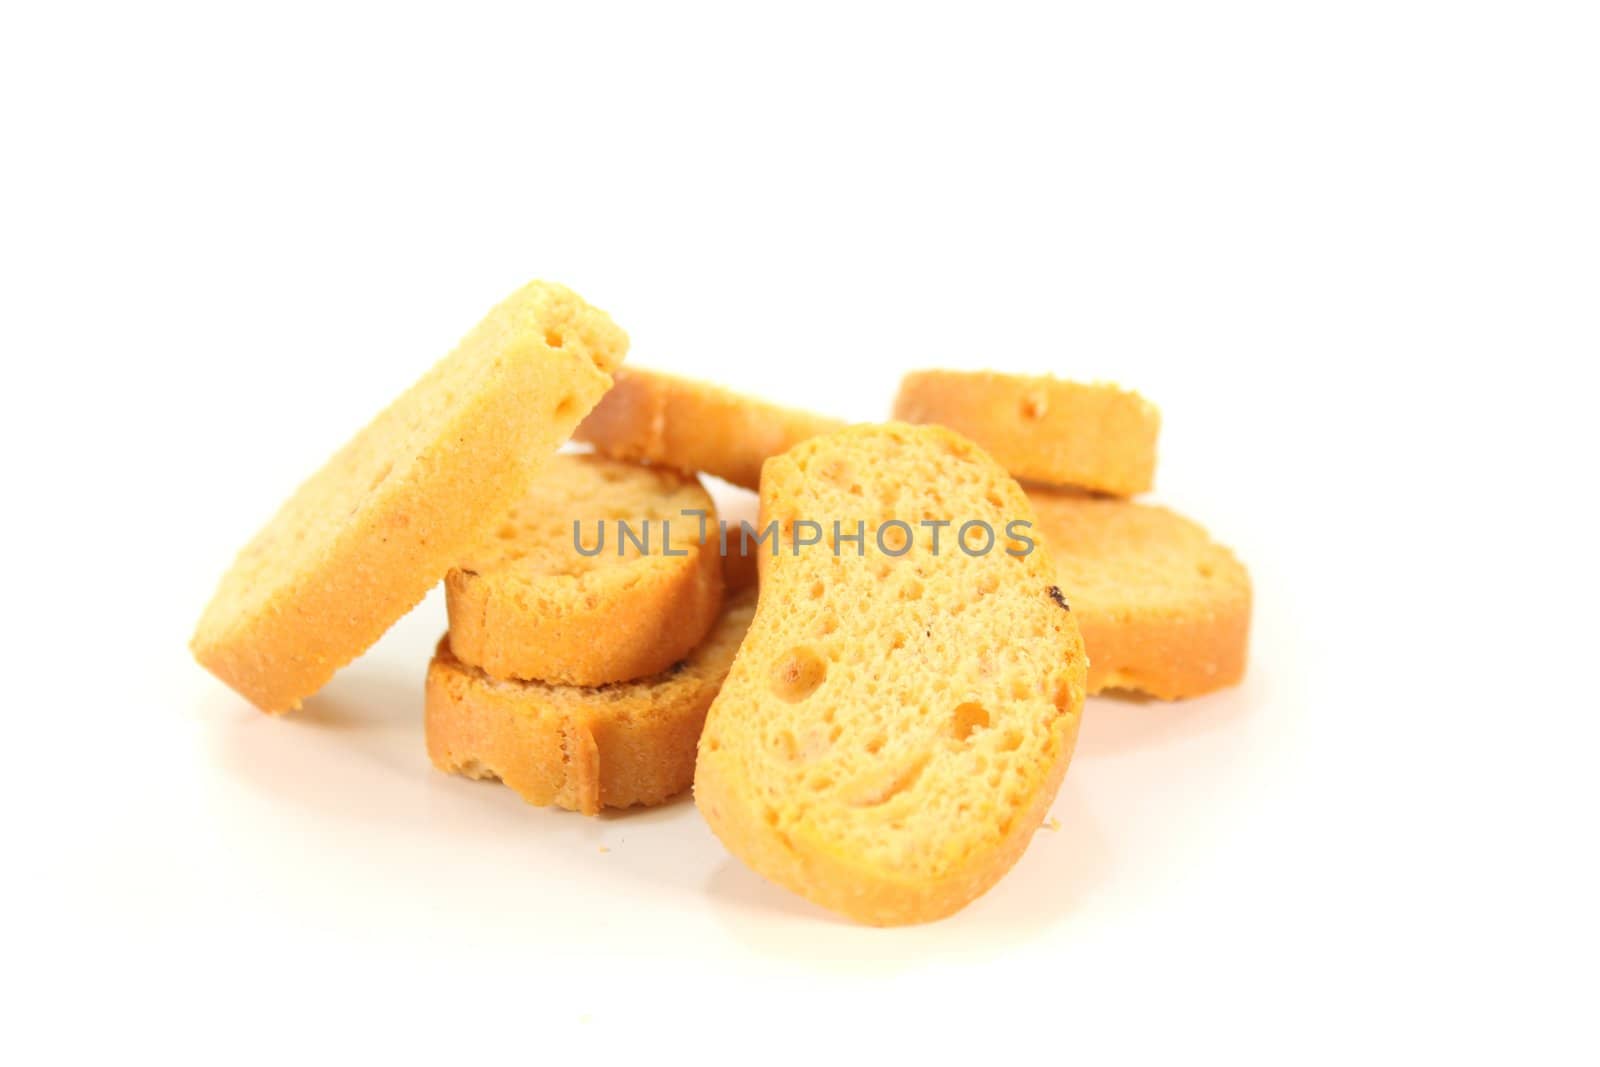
x=588 y=635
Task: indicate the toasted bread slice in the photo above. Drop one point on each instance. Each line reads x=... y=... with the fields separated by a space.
x=738 y=510
x=1164 y=609
x=695 y=426
x=1043 y=429
x=581 y=748
x=894 y=727
x=531 y=603
x=360 y=543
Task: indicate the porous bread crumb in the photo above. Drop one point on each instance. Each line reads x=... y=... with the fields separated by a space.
x=893 y=728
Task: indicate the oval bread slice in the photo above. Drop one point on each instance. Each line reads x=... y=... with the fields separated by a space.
x=527 y=603
x=894 y=727
x=1043 y=429
x=1163 y=608
x=582 y=749
x=695 y=426
x=361 y=542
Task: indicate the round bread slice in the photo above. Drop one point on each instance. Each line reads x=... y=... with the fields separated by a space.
x=1164 y=609
x=578 y=748
x=1043 y=429
x=694 y=426
x=361 y=542
x=531 y=602
x=901 y=713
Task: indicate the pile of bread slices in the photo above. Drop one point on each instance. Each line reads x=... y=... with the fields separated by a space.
x=874 y=690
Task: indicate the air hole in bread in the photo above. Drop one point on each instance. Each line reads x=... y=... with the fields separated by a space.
x=880 y=789
x=797 y=674
x=967 y=718
x=817 y=589
x=786 y=745
x=912 y=590
x=1010 y=741
x=554 y=339
x=1034 y=405
x=875 y=744
x=1063 y=695
x=381 y=477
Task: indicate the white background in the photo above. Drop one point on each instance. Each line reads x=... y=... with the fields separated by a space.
x=1350 y=250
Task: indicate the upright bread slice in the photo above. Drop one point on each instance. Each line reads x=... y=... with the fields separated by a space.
x=899 y=718
x=694 y=426
x=532 y=602
x=1163 y=608
x=577 y=748
x=1043 y=429
x=361 y=542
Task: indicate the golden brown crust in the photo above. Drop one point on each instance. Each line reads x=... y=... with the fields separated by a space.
x=1163 y=609
x=896 y=724
x=527 y=604
x=1043 y=429
x=578 y=748
x=695 y=426
x=364 y=539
